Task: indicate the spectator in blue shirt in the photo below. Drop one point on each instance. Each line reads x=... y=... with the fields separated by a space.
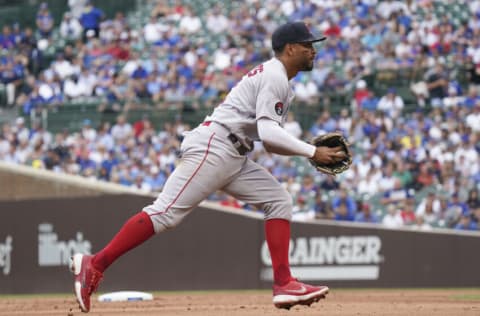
x=17 y=34
x=396 y=195
x=342 y=213
x=11 y=75
x=466 y=223
x=90 y=19
x=108 y=163
x=329 y=184
x=348 y=201
x=7 y=41
x=84 y=161
x=404 y=19
x=366 y=215
x=156 y=178
x=456 y=203
x=361 y=10
x=139 y=73
x=454 y=211
x=324 y=123
x=472 y=98
x=370 y=102
x=44 y=21
x=33 y=102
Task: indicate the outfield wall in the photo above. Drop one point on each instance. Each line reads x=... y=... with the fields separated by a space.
x=218 y=249
x=18 y=182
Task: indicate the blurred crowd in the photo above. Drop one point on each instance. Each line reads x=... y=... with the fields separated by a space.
x=419 y=168
x=177 y=51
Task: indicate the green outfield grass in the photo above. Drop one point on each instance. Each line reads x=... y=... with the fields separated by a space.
x=467 y=297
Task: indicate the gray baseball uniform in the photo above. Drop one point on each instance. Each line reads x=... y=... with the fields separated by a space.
x=213 y=154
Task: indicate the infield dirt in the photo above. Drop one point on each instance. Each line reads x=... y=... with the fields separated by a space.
x=447 y=302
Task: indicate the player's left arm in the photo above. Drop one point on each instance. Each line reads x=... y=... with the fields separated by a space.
x=277 y=140
x=270 y=111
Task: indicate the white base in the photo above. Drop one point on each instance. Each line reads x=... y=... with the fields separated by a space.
x=123 y=296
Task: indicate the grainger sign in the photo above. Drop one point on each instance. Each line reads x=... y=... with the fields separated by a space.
x=354 y=257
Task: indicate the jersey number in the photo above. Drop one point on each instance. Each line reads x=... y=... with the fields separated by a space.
x=255 y=70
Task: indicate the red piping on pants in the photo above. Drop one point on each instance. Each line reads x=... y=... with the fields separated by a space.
x=189 y=179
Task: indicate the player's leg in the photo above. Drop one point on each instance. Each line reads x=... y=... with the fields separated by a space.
x=185 y=188
x=190 y=183
x=256 y=186
x=204 y=169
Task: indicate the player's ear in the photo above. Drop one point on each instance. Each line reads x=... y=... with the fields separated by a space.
x=289 y=49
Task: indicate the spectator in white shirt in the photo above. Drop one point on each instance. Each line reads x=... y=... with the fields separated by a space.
x=88 y=132
x=70 y=28
x=88 y=79
x=122 y=130
x=345 y=122
x=22 y=132
x=217 y=23
x=222 y=58
x=62 y=67
x=153 y=31
x=404 y=48
x=306 y=90
x=429 y=209
x=473 y=119
x=387 y=7
x=77 y=7
x=364 y=166
x=189 y=23
x=469 y=163
x=391 y=103
x=368 y=185
x=292 y=126
x=352 y=30
x=420 y=224
x=73 y=88
x=393 y=218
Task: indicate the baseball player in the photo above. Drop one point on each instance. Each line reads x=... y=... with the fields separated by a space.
x=254 y=110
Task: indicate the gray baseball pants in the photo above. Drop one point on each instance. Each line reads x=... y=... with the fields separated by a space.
x=209 y=163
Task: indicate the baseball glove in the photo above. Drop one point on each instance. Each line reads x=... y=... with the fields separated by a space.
x=332 y=140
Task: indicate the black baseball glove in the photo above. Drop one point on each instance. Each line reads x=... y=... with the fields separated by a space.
x=332 y=140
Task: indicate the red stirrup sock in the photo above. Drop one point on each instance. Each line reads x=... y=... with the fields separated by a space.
x=134 y=232
x=277 y=234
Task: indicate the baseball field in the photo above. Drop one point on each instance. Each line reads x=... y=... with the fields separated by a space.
x=447 y=302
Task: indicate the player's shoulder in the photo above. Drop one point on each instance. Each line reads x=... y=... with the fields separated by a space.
x=273 y=65
x=275 y=71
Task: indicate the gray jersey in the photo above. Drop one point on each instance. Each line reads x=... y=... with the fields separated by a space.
x=264 y=92
x=210 y=162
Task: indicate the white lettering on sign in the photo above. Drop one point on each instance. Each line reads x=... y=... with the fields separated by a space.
x=6 y=255
x=53 y=252
x=331 y=258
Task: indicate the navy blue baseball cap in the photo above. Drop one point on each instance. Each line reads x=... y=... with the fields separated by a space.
x=291 y=33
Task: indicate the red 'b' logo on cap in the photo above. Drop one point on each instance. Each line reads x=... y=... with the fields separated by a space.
x=279 y=108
